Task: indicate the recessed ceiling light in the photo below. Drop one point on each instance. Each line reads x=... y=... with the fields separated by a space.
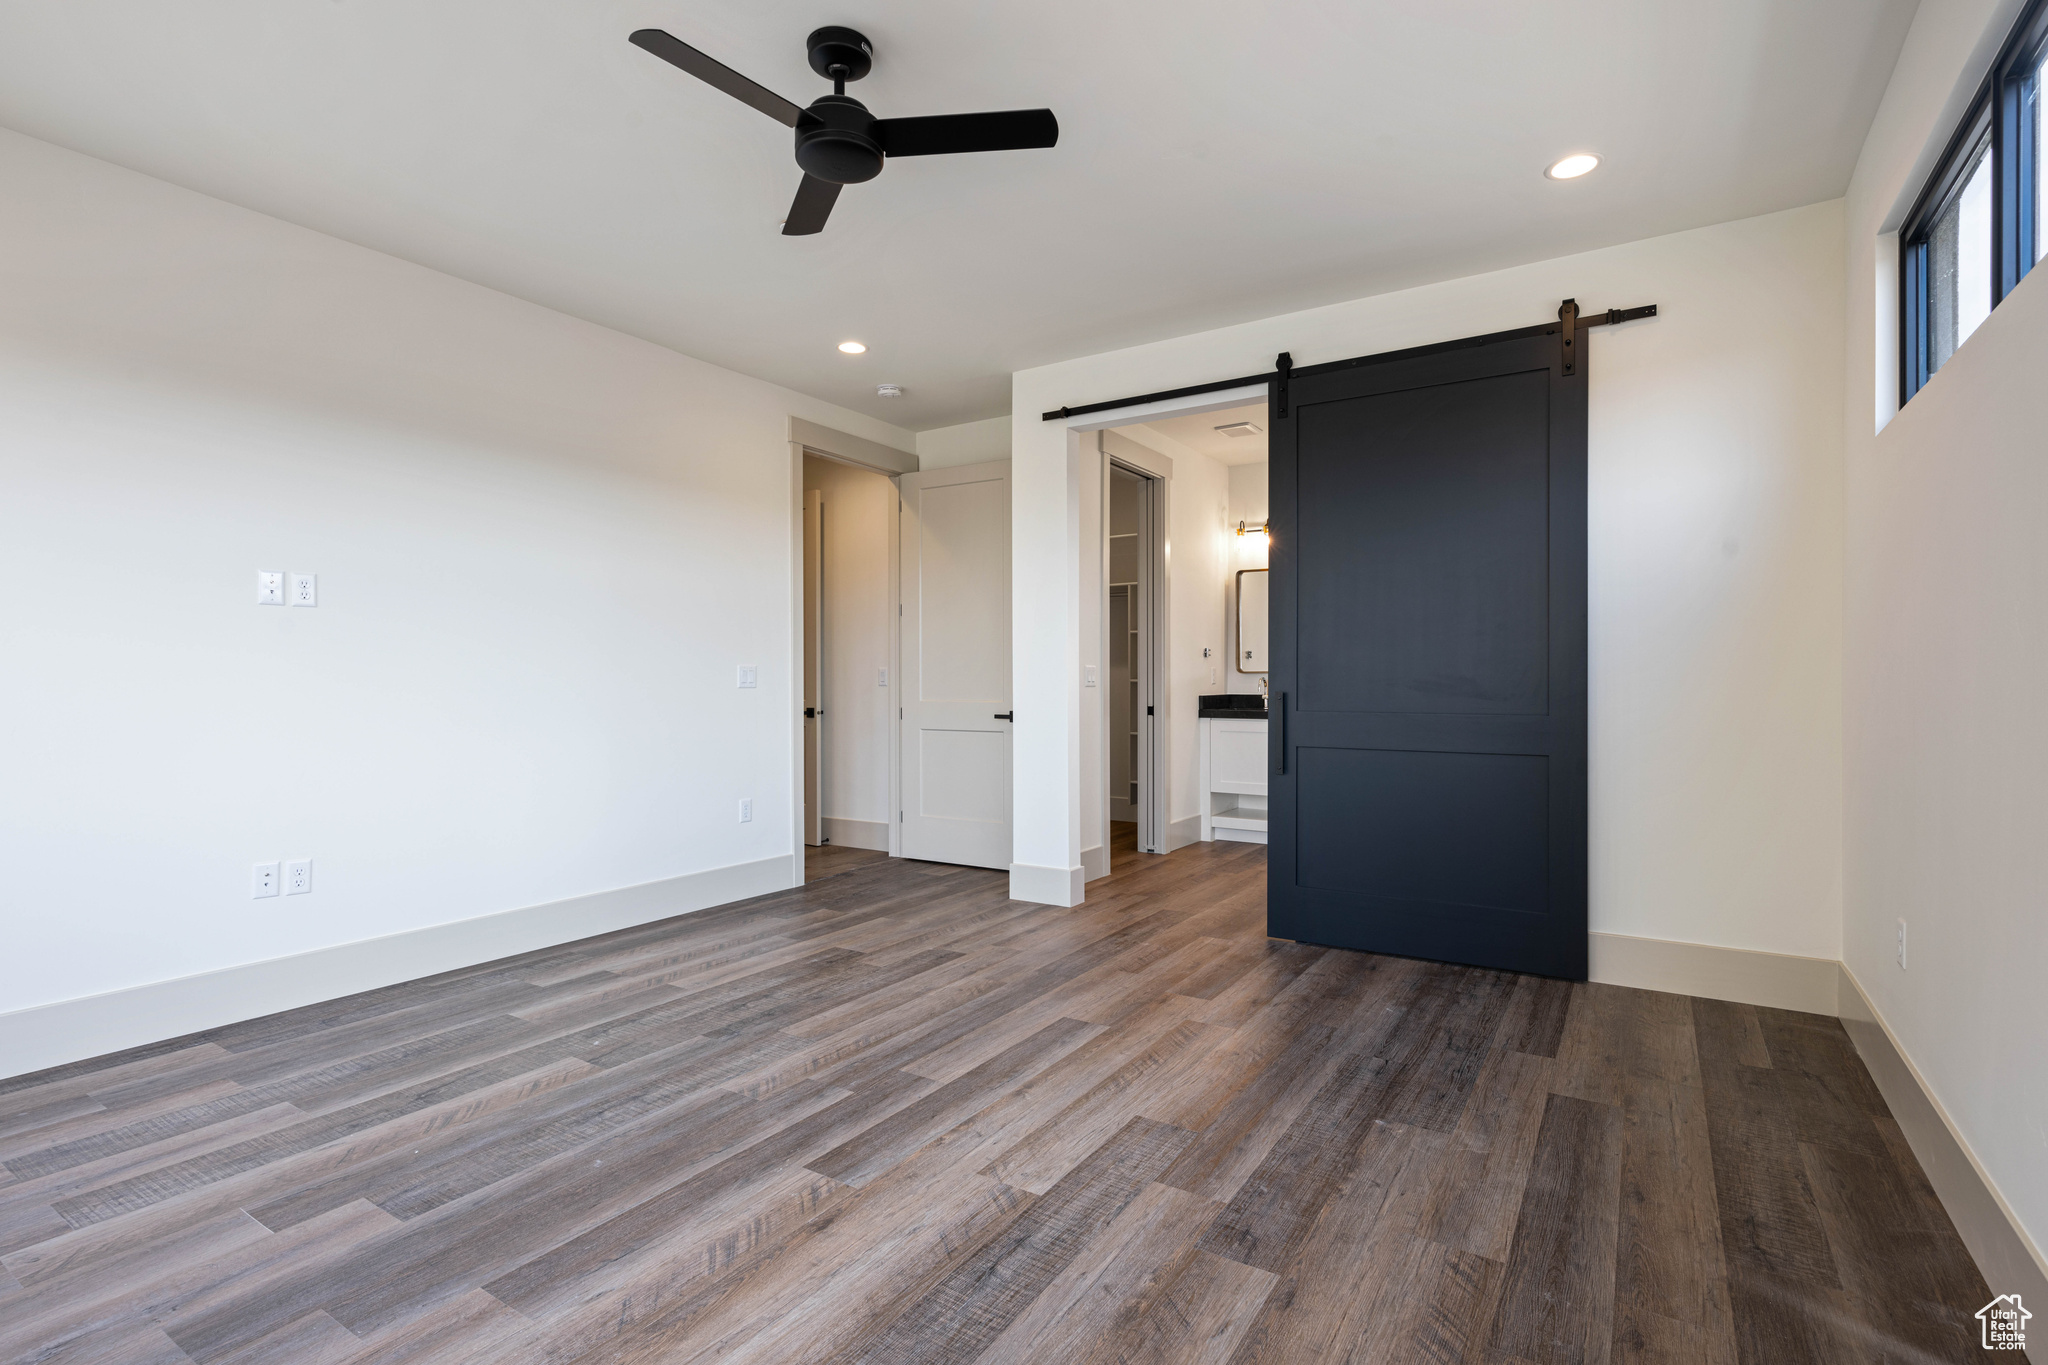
x=1573 y=166
x=851 y=347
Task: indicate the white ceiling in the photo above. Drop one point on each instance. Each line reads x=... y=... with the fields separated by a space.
x=1199 y=433
x=1218 y=160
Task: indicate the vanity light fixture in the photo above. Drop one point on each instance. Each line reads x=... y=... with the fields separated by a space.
x=852 y=347
x=1264 y=528
x=1573 y=166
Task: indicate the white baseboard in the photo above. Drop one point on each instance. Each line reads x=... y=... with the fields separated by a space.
x=846 y=833
x=2009 y=1258
x=1180 y=833
x=1778 y=980
x=1047 y=885
x=90 y=1026
x=1095 y=863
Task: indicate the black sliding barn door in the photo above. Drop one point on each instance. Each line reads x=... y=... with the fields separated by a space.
x=1429 y=656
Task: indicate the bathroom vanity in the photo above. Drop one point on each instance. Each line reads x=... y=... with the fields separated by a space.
x=1233 y=767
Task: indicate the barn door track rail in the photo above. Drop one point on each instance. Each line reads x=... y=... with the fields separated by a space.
x=1570 y=322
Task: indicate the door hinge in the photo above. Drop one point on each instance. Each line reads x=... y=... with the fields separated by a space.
x=1148 y=710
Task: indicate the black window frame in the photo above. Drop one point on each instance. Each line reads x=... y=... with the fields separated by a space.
x=2000 y=117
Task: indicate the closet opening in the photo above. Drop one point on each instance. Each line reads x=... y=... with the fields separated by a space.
x=849 y=612
x=1132 y=658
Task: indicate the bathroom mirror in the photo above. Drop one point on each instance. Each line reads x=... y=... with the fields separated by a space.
x=1251 y=620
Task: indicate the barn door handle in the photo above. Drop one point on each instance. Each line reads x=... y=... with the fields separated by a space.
x=810 y=713
x=1282 y=765
x=1006 y=715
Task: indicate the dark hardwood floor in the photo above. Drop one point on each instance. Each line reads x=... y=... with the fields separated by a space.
x=893 y=1116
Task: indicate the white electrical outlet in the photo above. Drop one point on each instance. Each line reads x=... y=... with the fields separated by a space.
x=304 y=590
x=749 y=676
x=746 y=809
x=1902 y=945
x=298 y=877
x=269 y=588
x=263 y=881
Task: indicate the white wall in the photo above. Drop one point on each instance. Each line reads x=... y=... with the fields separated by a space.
x=1947 y=646
x=1716 y=559
x=859 y=610
x=968 y=443
x=543 y=549
x=1199 y=553
x=1249 y=505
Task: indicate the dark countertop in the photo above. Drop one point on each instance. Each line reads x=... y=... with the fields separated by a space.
x=1231 y=706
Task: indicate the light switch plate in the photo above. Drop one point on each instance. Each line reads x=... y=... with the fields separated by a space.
x=263 y=881
x=269 y=588
x=1088 y=675
x=298 y=877
x=304 y=590
x=749 y=676
x=881 y=677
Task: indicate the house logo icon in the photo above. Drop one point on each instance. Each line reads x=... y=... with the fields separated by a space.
x=2005 y=1323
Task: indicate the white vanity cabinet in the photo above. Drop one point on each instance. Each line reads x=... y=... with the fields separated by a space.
x=1234 y=780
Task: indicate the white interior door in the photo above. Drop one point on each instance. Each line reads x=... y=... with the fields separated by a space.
x=814 y=664
x=955 y=670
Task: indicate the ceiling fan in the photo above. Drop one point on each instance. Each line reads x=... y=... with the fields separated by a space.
x=838 y=142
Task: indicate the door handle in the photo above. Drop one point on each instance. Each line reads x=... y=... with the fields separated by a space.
x=1006 y=715
x=810 y=713
x=1281 y=767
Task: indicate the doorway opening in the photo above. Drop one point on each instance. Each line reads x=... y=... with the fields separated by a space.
x=849 y=596
x=1132 y=658
x=1174 y=486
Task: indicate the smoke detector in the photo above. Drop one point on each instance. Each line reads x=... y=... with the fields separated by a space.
x=888 y=390
x=1240 y=429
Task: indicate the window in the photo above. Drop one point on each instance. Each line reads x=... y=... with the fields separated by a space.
x=1976 y=229
x=2030 y=117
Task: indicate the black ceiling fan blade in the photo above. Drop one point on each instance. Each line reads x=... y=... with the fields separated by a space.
x=676 y=52
x=1008 y=131
x=813 y=205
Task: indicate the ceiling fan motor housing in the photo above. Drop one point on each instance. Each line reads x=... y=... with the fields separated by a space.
x=835 y=141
